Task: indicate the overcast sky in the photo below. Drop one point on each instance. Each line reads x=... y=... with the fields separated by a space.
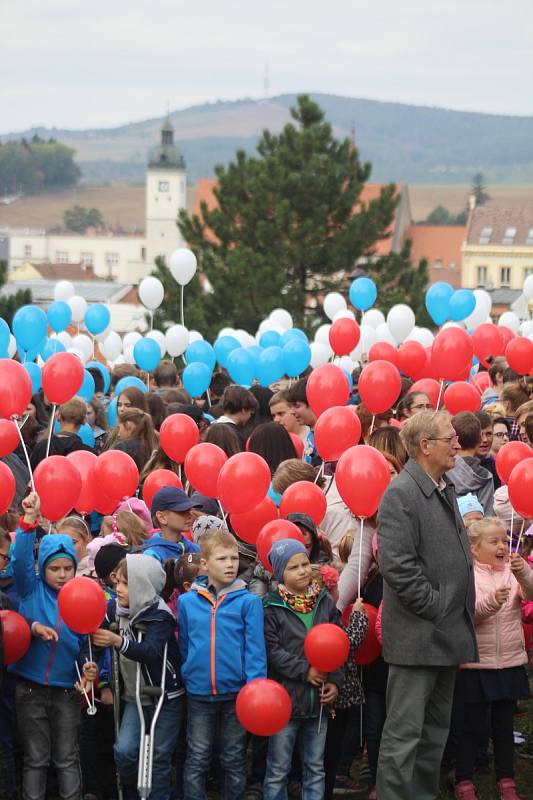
x=81 y=64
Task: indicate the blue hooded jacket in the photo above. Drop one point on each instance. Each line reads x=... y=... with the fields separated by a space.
x=48 y=663
x=163 y=549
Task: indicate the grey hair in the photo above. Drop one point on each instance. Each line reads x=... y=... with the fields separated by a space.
x=424 y=425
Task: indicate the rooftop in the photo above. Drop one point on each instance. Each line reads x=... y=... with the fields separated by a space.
x=496 y=226
x=93 y=291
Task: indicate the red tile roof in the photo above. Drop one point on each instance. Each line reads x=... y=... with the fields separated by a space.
x=499 y=220
x=71 y=272
x=441 y=246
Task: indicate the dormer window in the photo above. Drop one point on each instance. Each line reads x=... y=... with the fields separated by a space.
x=486 y=233
x=508 y=236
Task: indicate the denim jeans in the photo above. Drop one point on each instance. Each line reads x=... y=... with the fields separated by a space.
x=166 y=735
x=49 y=723
x=205 y=720
x=311 y=744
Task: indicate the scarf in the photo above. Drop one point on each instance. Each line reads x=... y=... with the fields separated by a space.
x=302 y=603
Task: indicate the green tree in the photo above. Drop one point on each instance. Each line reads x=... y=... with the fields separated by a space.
x=78 y=218
x=284 y=225
x=36 y=166
x=10 y=303
x=479 y=189
x=400 y=281
x=441 y=216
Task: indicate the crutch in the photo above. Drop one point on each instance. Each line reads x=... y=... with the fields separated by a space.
x=146 y=746
x=116 y=702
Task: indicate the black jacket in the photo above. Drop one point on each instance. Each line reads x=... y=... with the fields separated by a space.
x=61 y=444
x=284 y=635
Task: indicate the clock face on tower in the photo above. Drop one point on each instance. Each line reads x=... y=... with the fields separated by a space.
x=163 y=186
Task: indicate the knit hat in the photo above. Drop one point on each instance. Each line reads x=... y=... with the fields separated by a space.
x=108 y=558
x=469 y=503
x=205 y=523
x=59 y=554
x=281 y=552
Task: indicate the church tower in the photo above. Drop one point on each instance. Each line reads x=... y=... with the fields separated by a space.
x=165 y=196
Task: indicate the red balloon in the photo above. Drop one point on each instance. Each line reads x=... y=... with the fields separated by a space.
x=379 y=386
x=344 y=335
x=84 y=462
x=461 y=396
x=487 y=341
x=384 y=351
x=298 y=444
x=327 y=386
x=326 y=647
x=362 y=475
x=519 y=355
x=506 y=334
x=520 y=485
x=203 y=463
x=106 y=505
x=370 y=649
x=15 y=388
x=263 y=707
x=157 y=480
x=177 y=435
x=412 y=359
x=82 y=605
x=336 y=430
x=509 y=456
x=248 y=524
x=16 y=636
x=451 y=354
x=274 y=532
x=62 y=377
x=243 y=482
x=428 y=386
x=115 y=474
x=7 y=487
x=9 y=437
x=304 y=497
x=58 y=484
x=481 y=381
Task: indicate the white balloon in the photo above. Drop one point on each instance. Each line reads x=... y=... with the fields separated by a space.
x=344 y=362
x=401 y=321
x=451 y=324
x=344 y=313
x=226 y=332
x=12 y=346
x=183 y=265
x=320 y=354
x=282 y=318
x=510 y=320
x=244 y=338
x=383 y=334
x=333 y=302
x=158 y=337
x=119 y=359
x=482 y=309
x=322 y=335
x=130 y=340
x=65 y=339
x=195 y=336
x=373 y=317
x=129 y=358
x=84 y=344
x=111 y=347
x=63 y=290
x=528 y=288
x=176 y=340
x=151 y=292
x=526 y=328
x=105 y=333
x=366 y=340
x=76 y=352
x=422 y=335
x=78 y=306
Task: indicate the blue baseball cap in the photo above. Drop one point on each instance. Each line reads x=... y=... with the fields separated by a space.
x=170 y=498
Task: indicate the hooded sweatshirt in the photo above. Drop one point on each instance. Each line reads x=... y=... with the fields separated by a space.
x=163 y=549
x=468 y=476
x=48 y=663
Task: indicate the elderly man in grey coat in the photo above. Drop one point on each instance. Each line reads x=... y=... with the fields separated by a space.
x=428 y=608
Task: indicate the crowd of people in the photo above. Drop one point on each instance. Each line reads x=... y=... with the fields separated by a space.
x=192 y=610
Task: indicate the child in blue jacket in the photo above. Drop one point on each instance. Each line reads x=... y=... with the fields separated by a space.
x=171 y=515
x=222 y=647
x=48 y=705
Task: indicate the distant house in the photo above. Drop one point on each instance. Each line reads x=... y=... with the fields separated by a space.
x=441 y=246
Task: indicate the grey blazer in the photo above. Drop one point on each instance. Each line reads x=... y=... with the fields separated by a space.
x=428 y=580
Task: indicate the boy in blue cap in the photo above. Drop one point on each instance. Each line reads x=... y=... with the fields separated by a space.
x=171 y=515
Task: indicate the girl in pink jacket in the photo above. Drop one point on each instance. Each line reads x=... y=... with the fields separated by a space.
x=494 y=684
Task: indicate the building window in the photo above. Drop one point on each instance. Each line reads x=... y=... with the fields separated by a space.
x=143 y=253
x=452 y=265
x=437 y=264
x=111 y=259
x=508 y=236
x=529 y=239
x=61 y=257
x=482 y=276
x=86 y=259
x=505 y=277
x=27 y=251
x=486 y=233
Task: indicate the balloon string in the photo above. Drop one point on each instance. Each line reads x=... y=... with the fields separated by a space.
x=208 y=399
x=50 y=431
x=26 y=456
x=511 y=532
x=319 y=473
x=321 y=709
x=441 y=386
x=372 y=424
x=151 y=320
x=519 y=536
x=181 y=305
x=360 y=556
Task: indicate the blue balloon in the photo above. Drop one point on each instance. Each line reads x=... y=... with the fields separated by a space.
x=112 y=412
x=269 y=339
x=292 y=333
x=296 y=357
x=241 y=366
x=29 y=326
x=86 y=434
x=196 y=378
x=104 y=372
x=4 y=334
x=87 y=388
x=31 y=355
x=255 y=351
x=59 y=316
x=223 y=347
x=201 y=351
x=274 y=496
x=437 y=301
x=461 y=305
x=147 y=354
x=270 y=365
x=130 y=380
x=34 y=371
x=363 y=293
x=348 y=375
x=97 y=318
x=52 y=347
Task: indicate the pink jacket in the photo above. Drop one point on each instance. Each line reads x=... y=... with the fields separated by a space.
x=499 y=633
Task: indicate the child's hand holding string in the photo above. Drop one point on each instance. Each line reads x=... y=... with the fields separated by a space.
x=90 y=674
x=105 y=638
x=328 y=693
x=32 y=508
x=316 y=677
x=519 y=567
x=43 y=632
x=502 y=594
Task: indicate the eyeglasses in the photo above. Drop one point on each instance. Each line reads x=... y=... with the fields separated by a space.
x=448 y=439
x=501 y=434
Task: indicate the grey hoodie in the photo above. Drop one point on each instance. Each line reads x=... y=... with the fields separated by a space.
x=468 y=476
